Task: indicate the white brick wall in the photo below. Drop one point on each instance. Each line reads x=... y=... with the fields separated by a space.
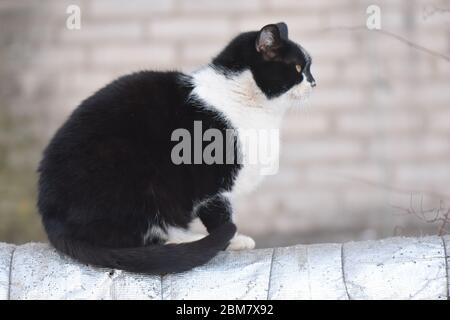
x=101 y=9
x=220 y=7
x=141 y=56
x=95 y=32
x=440 y=120
x=188 y=28
x=378 y=121
x=376 y=128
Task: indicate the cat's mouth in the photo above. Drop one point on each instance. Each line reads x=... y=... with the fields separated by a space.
x=301 y=92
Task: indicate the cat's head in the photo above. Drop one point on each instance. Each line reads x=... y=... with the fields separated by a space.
x=278 y=65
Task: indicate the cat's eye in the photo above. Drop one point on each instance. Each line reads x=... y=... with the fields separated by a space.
x=298 y=68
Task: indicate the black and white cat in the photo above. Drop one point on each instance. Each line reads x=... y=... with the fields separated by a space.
x=111 y=195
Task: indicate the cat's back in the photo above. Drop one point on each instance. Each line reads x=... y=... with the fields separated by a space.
x=112 y=141
x=126 y=121
x=134 y=104
x=144 y=90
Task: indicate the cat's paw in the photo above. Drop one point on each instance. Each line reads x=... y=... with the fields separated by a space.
x=241 y=242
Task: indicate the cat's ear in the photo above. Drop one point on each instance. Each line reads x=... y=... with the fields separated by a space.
x=269 y=40
x=283 y=28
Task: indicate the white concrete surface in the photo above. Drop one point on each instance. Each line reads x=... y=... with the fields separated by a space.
x=395 y=268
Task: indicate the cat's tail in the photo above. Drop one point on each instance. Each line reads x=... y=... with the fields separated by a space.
x=153 y=259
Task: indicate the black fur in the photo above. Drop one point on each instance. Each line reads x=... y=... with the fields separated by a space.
x=275 y=73
x=107 y=176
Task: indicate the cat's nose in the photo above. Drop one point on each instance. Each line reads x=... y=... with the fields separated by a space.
x=313 y=83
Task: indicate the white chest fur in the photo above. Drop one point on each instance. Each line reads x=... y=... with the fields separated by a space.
x=244 y=105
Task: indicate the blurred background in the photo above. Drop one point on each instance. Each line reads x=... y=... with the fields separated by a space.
x=368 y=157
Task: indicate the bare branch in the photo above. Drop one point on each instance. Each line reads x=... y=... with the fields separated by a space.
x=439 y=215
x=395 y=36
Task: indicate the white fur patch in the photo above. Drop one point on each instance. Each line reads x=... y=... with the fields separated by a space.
x=242 y=103
x=181 y=235
x=154 y=232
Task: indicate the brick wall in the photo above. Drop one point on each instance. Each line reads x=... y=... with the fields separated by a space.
x=375 y=133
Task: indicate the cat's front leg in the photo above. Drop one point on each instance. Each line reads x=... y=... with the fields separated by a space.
x=217 y=210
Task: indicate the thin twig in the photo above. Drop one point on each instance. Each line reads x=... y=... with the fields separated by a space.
x=441 y=214
x=395 y=36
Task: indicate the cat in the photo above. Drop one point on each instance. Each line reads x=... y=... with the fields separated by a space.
x=109 y=192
